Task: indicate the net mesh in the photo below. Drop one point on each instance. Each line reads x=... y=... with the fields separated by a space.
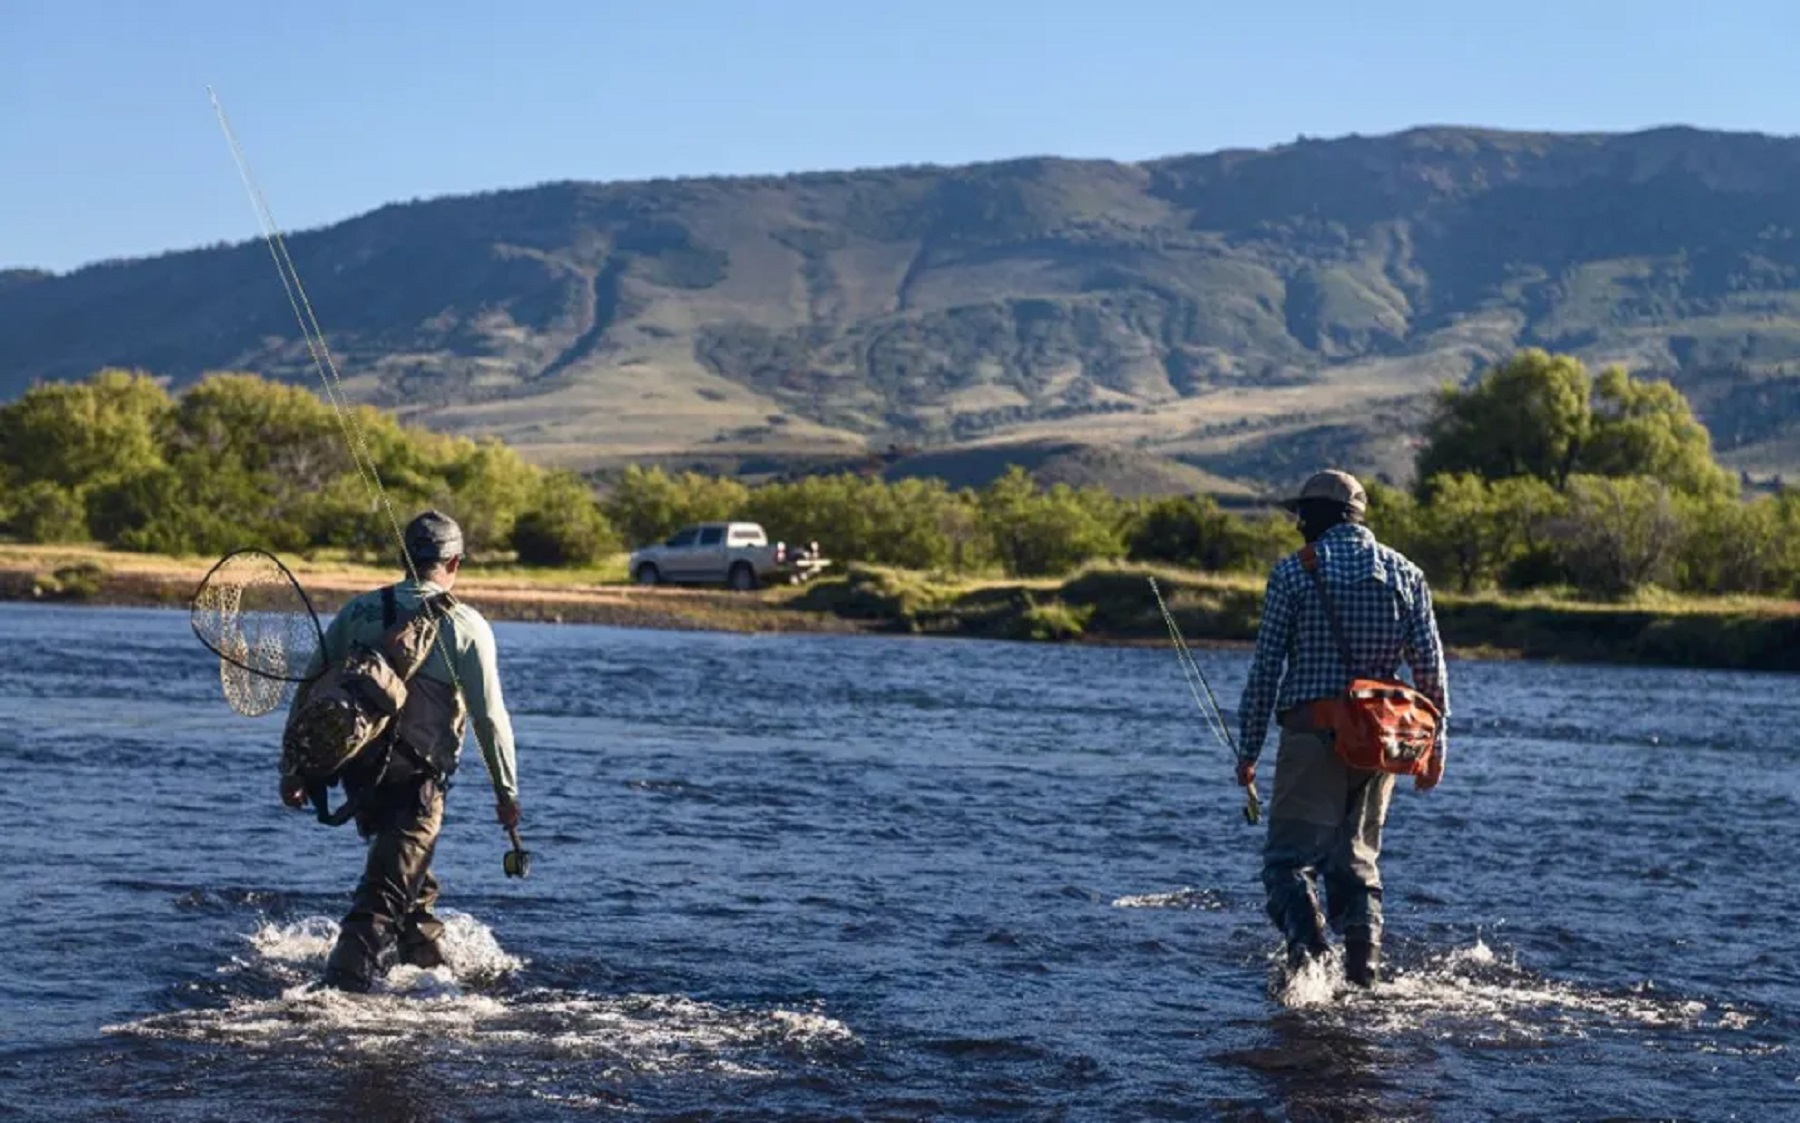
x=252 y=614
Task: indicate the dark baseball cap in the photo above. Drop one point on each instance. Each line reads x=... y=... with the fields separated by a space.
x=1334 y=486
x=433 y=536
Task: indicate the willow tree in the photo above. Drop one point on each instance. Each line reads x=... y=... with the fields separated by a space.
x=1528 y=416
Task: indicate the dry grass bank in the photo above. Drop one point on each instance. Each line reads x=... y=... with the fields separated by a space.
x=1103 y=604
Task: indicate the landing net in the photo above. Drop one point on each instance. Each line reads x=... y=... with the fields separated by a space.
x=251 y=612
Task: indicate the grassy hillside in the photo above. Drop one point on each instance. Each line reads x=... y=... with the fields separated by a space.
x=1244 y=314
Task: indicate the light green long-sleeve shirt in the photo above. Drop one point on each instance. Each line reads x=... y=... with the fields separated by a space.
x=469 y=639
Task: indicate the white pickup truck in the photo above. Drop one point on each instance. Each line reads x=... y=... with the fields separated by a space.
x=734 y=554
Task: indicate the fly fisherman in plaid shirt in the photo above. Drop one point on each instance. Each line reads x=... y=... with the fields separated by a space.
x=1326 y=817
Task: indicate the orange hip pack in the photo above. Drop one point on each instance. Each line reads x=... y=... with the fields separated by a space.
x=1382 y=725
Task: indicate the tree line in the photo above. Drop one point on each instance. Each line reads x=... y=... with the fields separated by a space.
x=240 y=461
x=1541 y=474
x=1538 y=475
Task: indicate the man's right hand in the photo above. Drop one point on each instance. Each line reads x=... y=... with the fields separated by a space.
x=293 y=792
x=1434 y=770
x=507 y=811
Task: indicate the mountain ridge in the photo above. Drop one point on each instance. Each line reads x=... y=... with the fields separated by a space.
x=1241 y=310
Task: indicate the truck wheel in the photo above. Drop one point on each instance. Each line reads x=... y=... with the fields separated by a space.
x=742 y=577
x=647 y=575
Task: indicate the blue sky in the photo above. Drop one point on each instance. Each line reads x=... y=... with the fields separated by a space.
x=108 y=145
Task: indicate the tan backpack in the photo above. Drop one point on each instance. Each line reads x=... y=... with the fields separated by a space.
x=345 y=717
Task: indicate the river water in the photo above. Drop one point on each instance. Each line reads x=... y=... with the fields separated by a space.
x=783 y=877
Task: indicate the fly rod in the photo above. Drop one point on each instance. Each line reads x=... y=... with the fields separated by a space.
x=1207 y=702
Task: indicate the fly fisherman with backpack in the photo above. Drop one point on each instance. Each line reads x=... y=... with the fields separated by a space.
x=1342 y=613
x=385 y=719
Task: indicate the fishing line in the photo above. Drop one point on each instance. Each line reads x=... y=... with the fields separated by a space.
x=1209 y=703
x=1196 y=681
x=323 y=363
x=313 y=334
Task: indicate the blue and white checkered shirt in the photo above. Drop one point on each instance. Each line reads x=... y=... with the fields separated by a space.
x=1384 y=605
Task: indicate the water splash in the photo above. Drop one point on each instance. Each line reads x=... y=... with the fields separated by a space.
x=1317 y=982
x=423 y=1014
x=1478 y=995
x=1496 y=999
x=472 y=953
x=1187 y=897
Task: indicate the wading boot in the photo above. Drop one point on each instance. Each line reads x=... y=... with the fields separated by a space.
x=354 y=963
x=1362 y=957
x=1305 y=932
x=419 y=944
x=349 y=970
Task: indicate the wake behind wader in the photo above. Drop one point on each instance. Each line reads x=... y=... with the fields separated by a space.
x=345 y=721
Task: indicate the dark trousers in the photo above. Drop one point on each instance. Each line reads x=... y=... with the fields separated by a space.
x=1325 y=822
x=392 y=903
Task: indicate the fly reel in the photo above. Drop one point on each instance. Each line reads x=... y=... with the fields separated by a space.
x=517 y=861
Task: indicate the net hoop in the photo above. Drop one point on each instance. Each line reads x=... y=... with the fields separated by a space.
x=195 y=611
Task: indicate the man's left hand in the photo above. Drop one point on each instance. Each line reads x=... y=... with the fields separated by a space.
x=1246 y=773
x=293 y=792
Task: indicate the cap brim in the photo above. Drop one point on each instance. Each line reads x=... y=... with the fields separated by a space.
x=1293 y=505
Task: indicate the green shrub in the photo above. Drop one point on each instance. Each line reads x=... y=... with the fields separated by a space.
x=565 y=527
x=1054 y=620
x=46 y=511
x=73 y=582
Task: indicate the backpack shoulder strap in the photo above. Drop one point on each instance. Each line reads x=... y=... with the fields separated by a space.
x=441 y=604
x=429 y=614
x=1309 y=560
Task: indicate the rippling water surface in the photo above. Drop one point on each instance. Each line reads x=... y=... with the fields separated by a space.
x=804 y=877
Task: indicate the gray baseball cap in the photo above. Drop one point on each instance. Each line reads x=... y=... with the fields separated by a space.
x=433 y=536
x=1333 y=485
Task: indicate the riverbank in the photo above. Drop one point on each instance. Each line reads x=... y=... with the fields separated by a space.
x=1100 y=605
x=93 y=575
x=1114 y=605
